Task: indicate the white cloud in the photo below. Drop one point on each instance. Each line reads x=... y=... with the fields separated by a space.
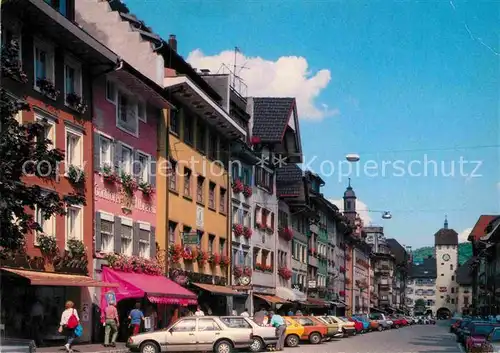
x=289 y=76
x=462 y=236
x=361 y=208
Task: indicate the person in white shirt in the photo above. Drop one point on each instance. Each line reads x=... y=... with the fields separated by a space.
x=69 y=332
x=199 y=312
x=245 y=313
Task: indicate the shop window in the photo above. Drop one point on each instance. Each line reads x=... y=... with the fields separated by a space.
x=222 y=201
x=200 y=190
x=211 y=195
x=187 y=182
x=172 y=178
x=172 y=226
x=126 y=237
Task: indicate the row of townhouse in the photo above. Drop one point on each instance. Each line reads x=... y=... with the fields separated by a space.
x=194 y=193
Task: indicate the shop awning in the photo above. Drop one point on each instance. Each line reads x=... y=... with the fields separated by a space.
x=316 y=302
x=338 y=304
x=159 y=289
x=271 y=299
x=218 y=290
x=286 y=293
x=57 y=279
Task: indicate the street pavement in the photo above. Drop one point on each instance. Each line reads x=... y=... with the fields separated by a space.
x=412 y=339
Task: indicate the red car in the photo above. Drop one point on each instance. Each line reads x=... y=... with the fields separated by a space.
x=397 y=322
x=358 y=325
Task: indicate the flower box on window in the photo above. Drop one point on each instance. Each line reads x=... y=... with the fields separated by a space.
x=238 y=229
x=285 y=273
x=247 y=191
x=129 y=185
x=237 y=186
x=189 y=254
x=201 y=257
x=108 y=174
x=134 y=264
x=214 y=259
x=76 y=102
x=76 y=175
x=47 y=88
x=224 y=261
x=146 y=188
x=247 y=232
x=175 y=253
x=286 y=233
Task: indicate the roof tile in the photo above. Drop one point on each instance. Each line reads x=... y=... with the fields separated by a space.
x=270 y=117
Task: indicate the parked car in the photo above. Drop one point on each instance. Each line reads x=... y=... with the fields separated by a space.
x=373 y=324
x=314 y=332
x=195 y=334
x=263 y=336
x=492 y=343
x=460 y=331
x=397 y=322
x=383 y=320
x=358 y=325
x=347 y=328
x=366 y=323
x=474 y=335
x=294 y=331
x=334 y=330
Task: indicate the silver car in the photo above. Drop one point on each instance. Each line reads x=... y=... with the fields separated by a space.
x=263 y=336
x=194 y=334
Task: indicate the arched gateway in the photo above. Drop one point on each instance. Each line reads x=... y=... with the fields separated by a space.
x=443 y=313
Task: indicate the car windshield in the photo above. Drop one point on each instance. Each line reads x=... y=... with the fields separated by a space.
x=495 y=336
x=344 y=319
x=481 y=330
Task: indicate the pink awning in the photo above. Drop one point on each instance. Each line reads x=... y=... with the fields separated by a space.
x=136 y=285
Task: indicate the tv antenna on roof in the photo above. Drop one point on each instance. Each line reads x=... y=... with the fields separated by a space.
x=236 y=75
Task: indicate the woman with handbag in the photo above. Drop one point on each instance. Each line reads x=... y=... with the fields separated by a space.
x=69 y=322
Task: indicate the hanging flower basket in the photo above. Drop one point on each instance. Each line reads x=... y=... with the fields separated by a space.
x=247 y=232
x=286 y=233
x=247 y=271
x=76 y=102
x=47 y=88
x=237 y=271
x=238 y=229
x=108 y=174
x=146 y=188
x=268 y=268
x=224 y=261
x=214 y=259
x=237 y=186
x=285 y=273
x=247 y=191
x=189 y=254
x=201 y=257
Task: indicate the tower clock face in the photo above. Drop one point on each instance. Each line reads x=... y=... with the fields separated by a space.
x=446 y=257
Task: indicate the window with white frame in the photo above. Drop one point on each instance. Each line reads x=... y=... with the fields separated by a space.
x=48 y=225
x=72 y=79
x=49 y=131
x=144 y=241
x=74 y=150
x=127 y=159
x=107 y=234
x=44 y=62
x=127 y=118
x=105 y=145
x=127 y=233
x=74 y=223
x=143 y=160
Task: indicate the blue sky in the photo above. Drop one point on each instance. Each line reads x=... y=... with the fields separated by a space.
x=404 y=76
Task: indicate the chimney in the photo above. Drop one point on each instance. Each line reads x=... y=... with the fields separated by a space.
x=172 y=42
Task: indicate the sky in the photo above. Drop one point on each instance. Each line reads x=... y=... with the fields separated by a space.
x=401 y=84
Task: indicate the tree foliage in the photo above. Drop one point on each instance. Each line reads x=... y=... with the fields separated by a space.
x=420 y=303
x=26 y=154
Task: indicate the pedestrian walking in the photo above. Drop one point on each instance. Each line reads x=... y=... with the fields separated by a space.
x=136 y=317
x=199 y=312
x=68 y=324
x=245 y=313
x=36 y=322
x=279 y=323
x=111 y=325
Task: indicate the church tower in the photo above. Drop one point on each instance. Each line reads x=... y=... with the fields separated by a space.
x=446 y=251
x=350 y=203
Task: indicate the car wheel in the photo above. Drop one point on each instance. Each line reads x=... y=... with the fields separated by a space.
x=380 y=328
x=397 y=326
x=149 y=347
x=257 y=344
x=292 y=340
x=314 y=338
x=223 y=347
x=354 y=333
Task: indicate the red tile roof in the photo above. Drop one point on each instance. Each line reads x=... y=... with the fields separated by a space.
x=479 y=229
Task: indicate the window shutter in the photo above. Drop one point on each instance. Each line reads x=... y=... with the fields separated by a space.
x=97 y=152
x=152 y=243
x=97 y=232
x=136 y=234
x=117 y=156
x=118 y=235
x=136 y=166
x=152 y=171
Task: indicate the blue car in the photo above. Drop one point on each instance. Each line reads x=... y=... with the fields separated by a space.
x=366 y=323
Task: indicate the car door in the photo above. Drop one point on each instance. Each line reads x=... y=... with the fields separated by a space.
x=207 y=333
x=182 y=336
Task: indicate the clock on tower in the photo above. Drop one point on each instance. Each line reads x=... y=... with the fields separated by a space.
x=446 y=257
